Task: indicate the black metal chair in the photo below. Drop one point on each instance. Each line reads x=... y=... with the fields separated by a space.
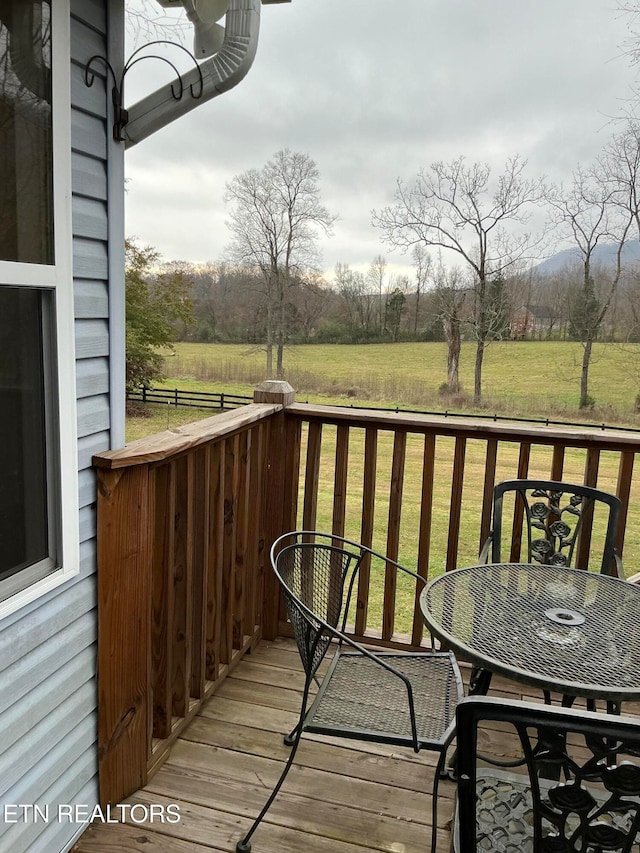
x=555 y=515
x=593 y=803
x=403 y=698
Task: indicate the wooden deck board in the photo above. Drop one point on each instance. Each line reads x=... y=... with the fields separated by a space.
x=340 y=796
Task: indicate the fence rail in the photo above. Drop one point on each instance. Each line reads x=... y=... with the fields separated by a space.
x=222 y=400
x=192 y=399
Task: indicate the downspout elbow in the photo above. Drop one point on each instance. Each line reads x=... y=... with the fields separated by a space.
x=219 y=74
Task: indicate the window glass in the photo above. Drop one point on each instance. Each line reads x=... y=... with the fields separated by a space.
x=24 y=515
x=26 y=169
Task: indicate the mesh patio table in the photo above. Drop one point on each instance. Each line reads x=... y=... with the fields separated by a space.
x=558 y=629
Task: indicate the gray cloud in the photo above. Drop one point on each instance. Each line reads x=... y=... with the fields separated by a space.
x=375 y=91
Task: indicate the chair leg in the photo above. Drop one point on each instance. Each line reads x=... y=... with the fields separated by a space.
x=244 y=845
x=439 y=771
x=293 y=734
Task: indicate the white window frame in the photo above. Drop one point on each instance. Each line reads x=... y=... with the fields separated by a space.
x=58 y=279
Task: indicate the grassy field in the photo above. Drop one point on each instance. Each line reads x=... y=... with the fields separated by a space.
x=536 y=379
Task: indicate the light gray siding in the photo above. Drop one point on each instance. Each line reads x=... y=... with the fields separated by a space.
x=48 y=695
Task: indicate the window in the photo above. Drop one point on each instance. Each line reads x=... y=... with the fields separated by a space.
x=38 y=467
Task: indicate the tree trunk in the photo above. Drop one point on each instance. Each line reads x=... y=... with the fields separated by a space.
x=280 y=361
x=282 y=319
x=477 y=381
x=452 y=337
x=584 y=375
x=269 y=338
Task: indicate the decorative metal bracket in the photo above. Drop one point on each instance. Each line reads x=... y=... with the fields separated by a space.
x=120 y=114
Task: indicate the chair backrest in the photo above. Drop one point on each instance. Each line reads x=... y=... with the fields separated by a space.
x=558 y=519
x=316 y=573
x=577 y=790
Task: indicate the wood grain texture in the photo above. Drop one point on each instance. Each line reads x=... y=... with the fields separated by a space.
x=487 y=491
x=424 y=530
x=156 y=448
x=393 y=532
x=341 y=468
x=366 y=529
x=456 y=502
x=162 y=596
x=347 y=797
x=623 y=491
x=124 y=601
x=524 y=457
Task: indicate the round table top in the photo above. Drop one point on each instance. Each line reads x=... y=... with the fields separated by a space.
x=560 y=629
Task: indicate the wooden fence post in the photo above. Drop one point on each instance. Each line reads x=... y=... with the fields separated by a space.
x=278 y=494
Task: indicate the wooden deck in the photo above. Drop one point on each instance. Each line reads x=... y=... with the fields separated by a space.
x=340 y=797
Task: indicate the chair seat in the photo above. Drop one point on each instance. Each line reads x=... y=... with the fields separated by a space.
x=505 y=813
x=349 y=701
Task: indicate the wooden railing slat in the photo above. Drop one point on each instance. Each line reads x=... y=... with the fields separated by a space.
x=366 y=528
x=201 y=518
x=229 y=548
x=491 y=459
x=311 y=473
x=557 y=462
x=215 y=564
x=340 y=480
x=623 y=491
x=253 y=592
x=182 y=584
x=162 y=490
x=591 y=466
x=456 y=502
x=393 y=533
x=524 y=457
x=240 y=624
x=424 y=529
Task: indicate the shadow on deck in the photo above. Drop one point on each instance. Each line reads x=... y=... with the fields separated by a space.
x=343 y=797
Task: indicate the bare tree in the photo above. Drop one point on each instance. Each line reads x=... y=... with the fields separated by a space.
x=275 y=218
x=589 y=212
x=457 y=207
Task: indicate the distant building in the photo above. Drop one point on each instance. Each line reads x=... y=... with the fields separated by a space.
x=532 y=321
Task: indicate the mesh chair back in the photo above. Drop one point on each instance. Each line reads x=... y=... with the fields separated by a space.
x=558 y=519
x=578 y=787
x=313 y=577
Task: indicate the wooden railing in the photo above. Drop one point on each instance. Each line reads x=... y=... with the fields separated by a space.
x=183 y=518
x=419 y=489
x=186 y=518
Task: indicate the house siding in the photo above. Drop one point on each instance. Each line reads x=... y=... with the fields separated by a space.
x=48 y=693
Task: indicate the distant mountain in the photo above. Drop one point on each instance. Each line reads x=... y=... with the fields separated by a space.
x=604 y=255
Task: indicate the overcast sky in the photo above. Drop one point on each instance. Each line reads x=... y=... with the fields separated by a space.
x=373 y=91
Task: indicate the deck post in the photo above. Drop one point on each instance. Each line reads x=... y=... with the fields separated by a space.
x=278 y=493
x=124 y=608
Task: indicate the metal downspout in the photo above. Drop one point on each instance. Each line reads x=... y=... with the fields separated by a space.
x=220 y=73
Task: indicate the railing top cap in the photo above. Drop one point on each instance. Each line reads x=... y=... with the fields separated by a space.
x=468 y=426
x=163 y=445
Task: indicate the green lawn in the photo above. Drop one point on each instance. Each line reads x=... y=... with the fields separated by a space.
x=536 y=379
